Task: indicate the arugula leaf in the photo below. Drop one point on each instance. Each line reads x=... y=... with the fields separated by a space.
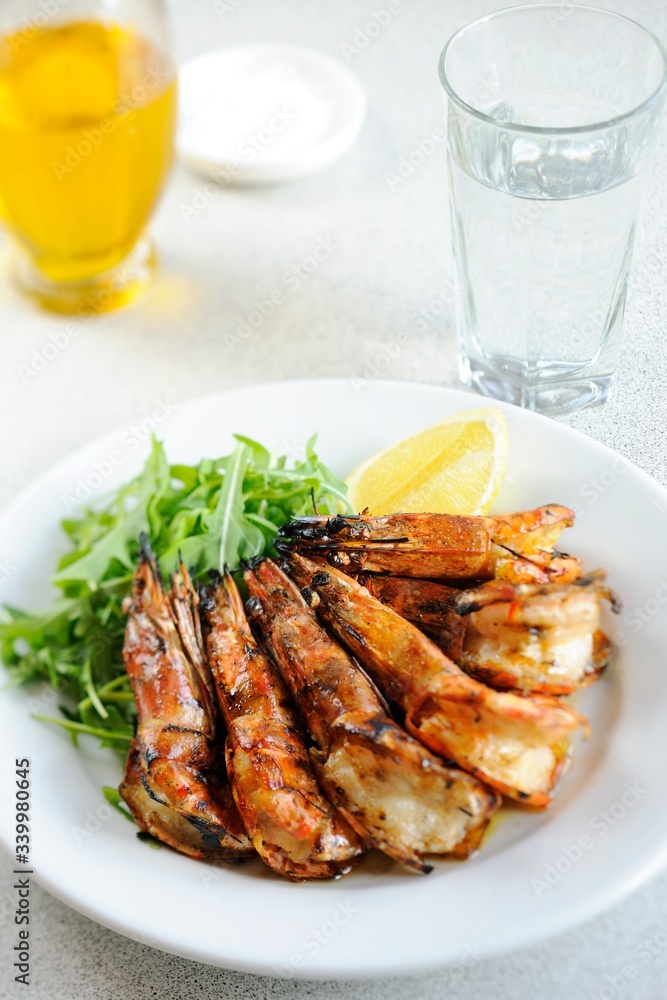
x=115 y=799
x=114 y=544
x=261 y=456
x=226 y=521
x=220 y=511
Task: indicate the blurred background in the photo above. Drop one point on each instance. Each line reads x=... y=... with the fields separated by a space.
x=380 y=303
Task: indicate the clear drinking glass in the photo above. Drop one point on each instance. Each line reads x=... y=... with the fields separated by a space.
x=552 y=115
x=87 y=124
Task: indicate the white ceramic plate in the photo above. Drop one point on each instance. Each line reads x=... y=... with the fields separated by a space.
x=266 y=113
x=537 y=873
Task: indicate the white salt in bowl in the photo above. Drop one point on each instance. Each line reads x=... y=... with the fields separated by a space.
x=266 y=114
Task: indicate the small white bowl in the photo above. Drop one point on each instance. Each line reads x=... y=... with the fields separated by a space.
x=266 y=114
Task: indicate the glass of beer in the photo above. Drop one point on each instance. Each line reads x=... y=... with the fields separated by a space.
x=87 y=126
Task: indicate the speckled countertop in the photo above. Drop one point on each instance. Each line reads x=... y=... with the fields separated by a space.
x=390 y=257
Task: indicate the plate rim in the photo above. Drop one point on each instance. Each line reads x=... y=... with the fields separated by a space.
x=588 y=907
x=465 y=394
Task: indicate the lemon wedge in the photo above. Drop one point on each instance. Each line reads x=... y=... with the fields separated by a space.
x=456 y=467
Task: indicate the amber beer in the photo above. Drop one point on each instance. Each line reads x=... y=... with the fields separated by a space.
x=87 y=119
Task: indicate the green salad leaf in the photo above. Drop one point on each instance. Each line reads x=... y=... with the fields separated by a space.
x=219 y=512
x=116 y=800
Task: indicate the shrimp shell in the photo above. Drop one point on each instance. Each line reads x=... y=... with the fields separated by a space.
x=293 y=827
x=180 y=761
x=154 y=817
x=544 y=639
x=517 y=547
x=431 y=606
x=398 y=796
x=517 y=745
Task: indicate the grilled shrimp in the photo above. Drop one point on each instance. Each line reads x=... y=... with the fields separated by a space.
x=517 y=547
x=543 y=639
x=398 y=796
x=523 y=546
x=158 y=819
x=176 y=757
x=517 y=745
x=428 y=605
x=293 y=827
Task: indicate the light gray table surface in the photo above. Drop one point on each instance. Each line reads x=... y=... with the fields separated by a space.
x=391 y=258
